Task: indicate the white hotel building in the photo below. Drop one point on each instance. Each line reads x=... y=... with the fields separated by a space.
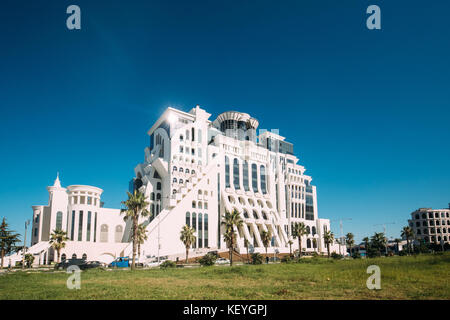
x=194 y=170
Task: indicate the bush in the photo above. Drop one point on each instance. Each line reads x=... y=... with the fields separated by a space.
x=167 y=264
x=287 y=259
x=208 y=260
x=335 y=255
x=356 y=255
x=256 y=258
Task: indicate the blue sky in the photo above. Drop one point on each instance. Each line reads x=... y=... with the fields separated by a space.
x=368 y=111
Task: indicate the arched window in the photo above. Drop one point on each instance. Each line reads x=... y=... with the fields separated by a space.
x=175 y=168
x=181 y=169
x=245 y=214
x=245 y=178
x=174 y=191
x=263 y=179
x=104 y=233
x=255 y=215
x=158 y=186
x=63 y=257
x=313 y=230
x=84 y=256
x=193 y=204
x=227 y=172
x=188 y=219
x=59 y=216
x=181 y=181
x=174 y=180
x=308 y=243
x=74 y=256
x=193 y=171
x=152 y=196
x=236 y=177
x=118 y=234
x=158 y=196
x=254 y=178
x=308 y=229
x=187 y=170
x=193 y=133
x=200 y=206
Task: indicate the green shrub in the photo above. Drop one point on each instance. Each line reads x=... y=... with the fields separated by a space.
x=167 y=264
x=256 y=258
x=287 y=259
x=356 y=255
x=335 y=255
x=208 y=260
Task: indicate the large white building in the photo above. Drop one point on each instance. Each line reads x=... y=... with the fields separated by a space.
x=194 y=170
x=431 y=225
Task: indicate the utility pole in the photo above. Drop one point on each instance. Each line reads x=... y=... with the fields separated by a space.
x=342 y=231
x=384 y=231
x=25 y=243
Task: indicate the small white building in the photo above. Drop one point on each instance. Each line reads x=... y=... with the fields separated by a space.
x=193 y=171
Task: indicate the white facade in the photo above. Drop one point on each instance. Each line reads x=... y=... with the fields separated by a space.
x=194 y=170
x=431 y=225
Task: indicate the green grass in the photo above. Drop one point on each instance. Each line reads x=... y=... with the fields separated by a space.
x=414 y=277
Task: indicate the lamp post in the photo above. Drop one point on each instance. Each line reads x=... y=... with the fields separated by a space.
x=25 y=243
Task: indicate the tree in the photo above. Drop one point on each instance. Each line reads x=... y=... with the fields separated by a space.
x=141 y=237
x=8 y=239
x=135 y=207
x=378 y=242
x=298 y=231
x=314 y=241
x=29 y=259
x=246 y=245
x=231 y=220
x=349 y=238
x=58 y=240
x=397 y=241
x=328 y=238
x=366 y=246
x=407 y=233
x=290 y=242
x=187 y=236
x=266 y=236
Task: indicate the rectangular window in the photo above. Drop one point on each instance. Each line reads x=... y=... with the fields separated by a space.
x=72 y=227
x=95 y=227
x=206 y=230
x=80 y=226
x=88 y=233
x=89 y=200
x=199 y=153
x=82 y=199
x=75 y=200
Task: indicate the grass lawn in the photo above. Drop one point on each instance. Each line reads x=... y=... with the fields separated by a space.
x=414 y=277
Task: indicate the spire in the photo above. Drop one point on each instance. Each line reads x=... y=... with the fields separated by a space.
x=57 y=182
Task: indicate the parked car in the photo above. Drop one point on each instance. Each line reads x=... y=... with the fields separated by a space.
x=125 y=262
x=93 y=265
x=222 y=261
x=70 y=262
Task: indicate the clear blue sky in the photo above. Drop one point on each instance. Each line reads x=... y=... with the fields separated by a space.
x=368 y=111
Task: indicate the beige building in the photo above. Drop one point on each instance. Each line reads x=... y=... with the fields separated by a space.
x=432 y=225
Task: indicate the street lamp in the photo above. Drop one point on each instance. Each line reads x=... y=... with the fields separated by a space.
x=25 y=243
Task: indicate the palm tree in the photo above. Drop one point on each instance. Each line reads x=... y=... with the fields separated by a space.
x=314 y=241
x=8 y=240
x=58 y=240
x=187 y=236
x=366 y=245
x=230 y=221
x=397 y=241
x=378 y=240
x=246 y=245
x=349 y=238
x=407 y=233
x=298 y=231
x=290 y=242
x=328 y=238
x=141 y=237
x=135 y=207
x=266 y=236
